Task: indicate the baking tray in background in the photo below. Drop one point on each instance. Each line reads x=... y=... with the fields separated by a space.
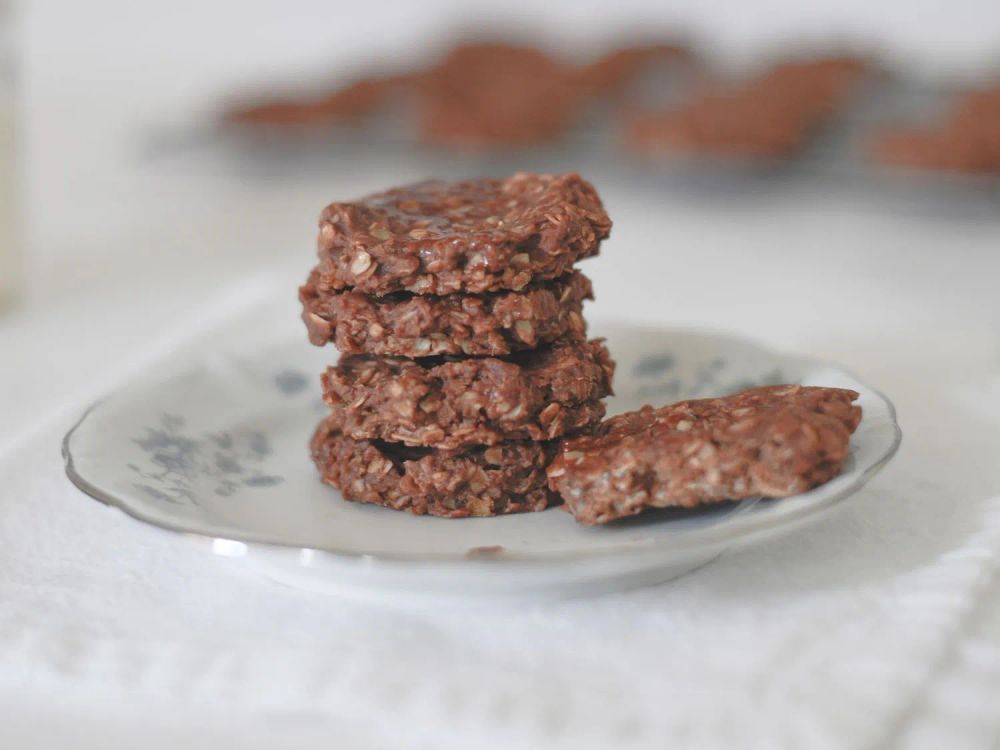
x=834 y=161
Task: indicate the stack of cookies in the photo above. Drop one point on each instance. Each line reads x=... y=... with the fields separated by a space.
x=457 y=310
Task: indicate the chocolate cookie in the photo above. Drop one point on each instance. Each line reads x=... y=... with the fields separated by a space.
x=488 y=95
x=615 y=71
x=352 y=102
x=934 y=149
x=967 y=140
x=718 y=124
x=407 y=325
x=769 y=116
x=471 y=237
x=505 y=478
x=456 y=404
x=772 y=442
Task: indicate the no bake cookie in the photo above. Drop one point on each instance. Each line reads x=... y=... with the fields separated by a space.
x=459 y=403
x=500 y=479
x=472 y=237
x=408 y=325
x=772 y=441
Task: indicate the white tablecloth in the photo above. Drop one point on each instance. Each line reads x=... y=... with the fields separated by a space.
x=879 y=626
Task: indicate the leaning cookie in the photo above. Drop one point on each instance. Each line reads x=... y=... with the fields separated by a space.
x=456 y=404
x=501 y=479
x=773 y=441
x=423 y=325
x=470 y=237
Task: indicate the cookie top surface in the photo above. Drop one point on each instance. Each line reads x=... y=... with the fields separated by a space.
x=771 y=441
x=706 y=415
x=473 y=236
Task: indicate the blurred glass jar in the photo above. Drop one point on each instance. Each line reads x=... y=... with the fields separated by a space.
x=9 y=234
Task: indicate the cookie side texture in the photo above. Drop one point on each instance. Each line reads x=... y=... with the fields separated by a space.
x=407 y=325
x=459 y=403
x=501 y=479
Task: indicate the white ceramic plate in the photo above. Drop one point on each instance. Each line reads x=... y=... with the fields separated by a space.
x=220 y=450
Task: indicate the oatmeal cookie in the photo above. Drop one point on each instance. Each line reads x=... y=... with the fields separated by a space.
x=773 y=441
x=500 y=479
x=459 y=403
x=471 y=237
x=408 y=325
